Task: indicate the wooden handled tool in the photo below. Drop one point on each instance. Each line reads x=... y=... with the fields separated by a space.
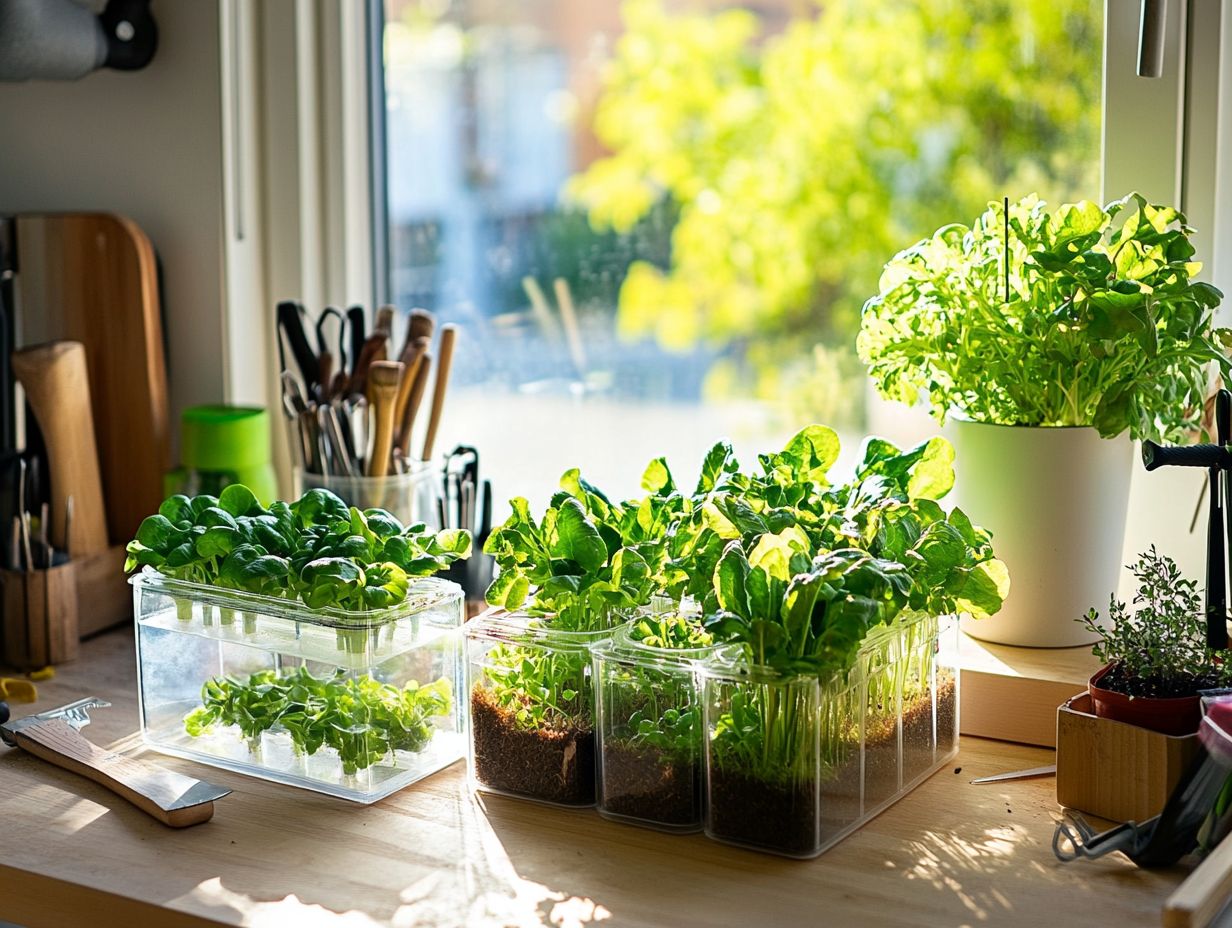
x=373 y=350
x=383 y=379
x=449 y=334
x=414 y=357
x=56 y=382
x=174 y=799
x=418 y=389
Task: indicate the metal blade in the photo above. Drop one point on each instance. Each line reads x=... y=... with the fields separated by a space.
x=199 y=793
x=75 y=713
x=1048 y=771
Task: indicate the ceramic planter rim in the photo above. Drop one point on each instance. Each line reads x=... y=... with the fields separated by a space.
x=964 y=419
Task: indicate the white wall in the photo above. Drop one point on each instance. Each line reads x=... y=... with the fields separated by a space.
x=149 y=145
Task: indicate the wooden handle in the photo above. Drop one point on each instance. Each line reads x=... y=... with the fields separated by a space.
x=449 y=334
x=1205 y=892
x=418 y=389
x=413 y=358
x=383 y=380
x=165 y=795
x=373 y=350
x=56 y=382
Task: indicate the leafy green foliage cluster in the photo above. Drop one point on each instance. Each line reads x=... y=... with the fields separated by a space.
x=1102 y=325
x=574 y=564
x=652 y=704
x=317 y=549
x=583 y=567
x=1159 y=646
x=930 y=106
x=858 y=552
x=361 y=718
x=808 y=570
x=541 y=688
x=673 y=630
x=793 y=569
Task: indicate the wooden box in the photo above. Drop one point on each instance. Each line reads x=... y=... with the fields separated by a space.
x=1113 y=770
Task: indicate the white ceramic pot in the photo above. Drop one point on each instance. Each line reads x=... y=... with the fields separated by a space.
x=1055 y=500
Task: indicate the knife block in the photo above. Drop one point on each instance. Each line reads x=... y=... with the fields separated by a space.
x=40 y=616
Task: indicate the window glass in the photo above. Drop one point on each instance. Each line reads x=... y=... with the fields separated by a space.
x=657 y=220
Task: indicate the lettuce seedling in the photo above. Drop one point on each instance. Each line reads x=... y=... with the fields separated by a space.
x=361 y=718
x=573 y=564
x=316 y=549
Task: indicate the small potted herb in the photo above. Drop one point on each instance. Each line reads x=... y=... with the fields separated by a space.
x=1156 y=656
x=648 y=707
x=566 y=581
x=1048 y=336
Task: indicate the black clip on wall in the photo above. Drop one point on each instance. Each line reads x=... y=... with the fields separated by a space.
x=1217 y=459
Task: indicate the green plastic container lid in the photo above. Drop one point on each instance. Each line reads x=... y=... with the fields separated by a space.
x=224 y=438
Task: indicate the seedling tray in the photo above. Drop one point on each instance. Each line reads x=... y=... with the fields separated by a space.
x=260 y=659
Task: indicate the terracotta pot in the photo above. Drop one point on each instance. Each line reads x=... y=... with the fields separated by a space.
x=1169 y=716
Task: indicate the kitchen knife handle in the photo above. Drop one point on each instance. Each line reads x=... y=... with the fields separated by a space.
x=1156 y=455
x=167 y=796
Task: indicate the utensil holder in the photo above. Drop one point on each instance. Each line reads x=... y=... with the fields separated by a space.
x=411 y=497
x=40 y=616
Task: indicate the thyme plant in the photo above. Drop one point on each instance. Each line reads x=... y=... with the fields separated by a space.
x=1158 y=645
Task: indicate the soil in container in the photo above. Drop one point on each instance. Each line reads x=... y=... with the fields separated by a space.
x=880 y=759
x=840 y=796
x=648 y=784
x=777 y=816
x=917 y=734
x=550 y=764
x=947 y=711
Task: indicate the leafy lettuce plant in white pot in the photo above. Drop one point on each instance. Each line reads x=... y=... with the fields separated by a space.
x=1095 y=335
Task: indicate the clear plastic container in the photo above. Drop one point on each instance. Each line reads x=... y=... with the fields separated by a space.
x=254 y=684
x=649 y=746
x=794 y=764
x=532 y=708
x=411 y=497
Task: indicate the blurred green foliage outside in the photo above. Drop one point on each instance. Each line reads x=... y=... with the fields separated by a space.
x=797 y=163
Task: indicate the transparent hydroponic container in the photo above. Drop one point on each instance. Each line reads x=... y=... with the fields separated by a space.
x=532 y=707
x=648 y=708
x=353 y=704
x=794 y=763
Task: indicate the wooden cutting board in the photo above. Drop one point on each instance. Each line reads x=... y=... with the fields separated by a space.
x=93 y=278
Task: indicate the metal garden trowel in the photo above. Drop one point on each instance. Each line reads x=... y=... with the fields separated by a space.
x=172 y=798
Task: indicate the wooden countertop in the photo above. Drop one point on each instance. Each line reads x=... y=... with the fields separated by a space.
x=948 y=854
